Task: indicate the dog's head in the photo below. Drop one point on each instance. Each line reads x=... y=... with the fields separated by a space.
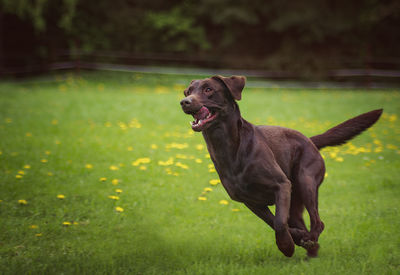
x=210 y=100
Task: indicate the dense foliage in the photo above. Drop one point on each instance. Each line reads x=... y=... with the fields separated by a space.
x=279 y=35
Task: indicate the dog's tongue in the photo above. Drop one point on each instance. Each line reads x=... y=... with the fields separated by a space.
x=202 y=113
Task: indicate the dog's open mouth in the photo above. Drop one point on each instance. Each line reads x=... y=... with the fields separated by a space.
x=202 y=118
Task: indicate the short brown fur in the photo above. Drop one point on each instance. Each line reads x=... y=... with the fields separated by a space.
x=265 y=165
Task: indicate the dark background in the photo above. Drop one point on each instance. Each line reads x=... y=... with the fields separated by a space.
x=314 y=39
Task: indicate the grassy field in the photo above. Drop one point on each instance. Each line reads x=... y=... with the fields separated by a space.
x=100 y=173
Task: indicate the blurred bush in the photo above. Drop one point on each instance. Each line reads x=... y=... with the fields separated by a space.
x=305 y=37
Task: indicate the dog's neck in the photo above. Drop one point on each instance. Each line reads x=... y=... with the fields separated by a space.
x=224 y=139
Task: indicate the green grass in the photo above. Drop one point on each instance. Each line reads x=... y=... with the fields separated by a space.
x=96 y=125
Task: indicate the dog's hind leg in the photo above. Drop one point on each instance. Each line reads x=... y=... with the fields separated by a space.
x=309 y=194
x=297 y=227
x=296 y=212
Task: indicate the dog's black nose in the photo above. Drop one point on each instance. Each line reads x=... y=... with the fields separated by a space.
x=186 y=102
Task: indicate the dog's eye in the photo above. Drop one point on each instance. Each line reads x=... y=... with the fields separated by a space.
x=208 y=90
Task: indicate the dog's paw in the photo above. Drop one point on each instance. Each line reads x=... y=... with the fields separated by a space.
x=285 y=243
x=311 y=247
x=307 y=244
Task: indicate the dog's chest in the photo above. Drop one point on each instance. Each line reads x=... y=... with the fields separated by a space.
x=247 y=186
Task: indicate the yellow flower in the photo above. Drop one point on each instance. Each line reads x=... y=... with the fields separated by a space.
x=18 y=176
x=207 y=156
x=202 y=198
x=21 y=172
x=142 y=167
x=170 y=161
x=223 y=202
x=47 y=152
x=207 y=189
x=75 y=223
x=377 y=142
x=103 y=179
x=333 y=154
x=235 y=209
x=393 y=118
x=181 y=165
x=130 y=148
x=140 y=161
x=54 y=122
x=114 y=167
x=168 y=171
x=198 y=161
x=28 y=134
x=119 y=209
x=66 y=223
x=392 y=147
x=154 y=146
x=118 y=191
x=62 y=88
x=326 y=174
x=113 y=197
x=339 y=159
x=60 y=196
x=199 y=147
x=89 y=166
x=100 y=87
x=135 y=124
x=23 y=202
x=114 y=182
x=43 y=160
x=33 y=226
x=161 y=90
x=27 y=166
x=50 y=174
x=177 y=145
x=214 y=181
x=38 y=235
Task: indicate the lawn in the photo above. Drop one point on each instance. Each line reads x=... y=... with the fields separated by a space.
x=100 y=173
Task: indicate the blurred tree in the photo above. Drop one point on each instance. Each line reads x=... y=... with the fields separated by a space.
x=304 y=36
x=176 y=31
x=33 y=10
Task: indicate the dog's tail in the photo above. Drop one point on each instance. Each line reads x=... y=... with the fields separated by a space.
x=347 y=130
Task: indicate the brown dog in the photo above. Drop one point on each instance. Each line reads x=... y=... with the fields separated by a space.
x=265 y=165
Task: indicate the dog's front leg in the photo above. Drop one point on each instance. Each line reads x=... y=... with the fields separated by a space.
x=263 y=212
x=283 y=238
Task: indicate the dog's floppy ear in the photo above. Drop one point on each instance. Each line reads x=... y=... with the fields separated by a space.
x=235 y=84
